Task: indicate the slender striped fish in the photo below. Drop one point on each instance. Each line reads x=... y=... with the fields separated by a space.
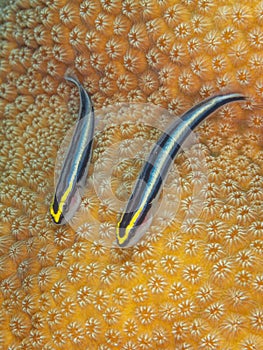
x=138 y=215
x=72 y=178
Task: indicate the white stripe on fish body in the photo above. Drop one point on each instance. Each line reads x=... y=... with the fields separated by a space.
x=147 y=188
x=72 y=178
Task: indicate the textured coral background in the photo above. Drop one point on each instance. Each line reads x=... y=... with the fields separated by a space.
x=3 y=3
x=194 y=284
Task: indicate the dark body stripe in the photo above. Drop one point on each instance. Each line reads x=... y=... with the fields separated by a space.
x=75 y=166
x=163 y=153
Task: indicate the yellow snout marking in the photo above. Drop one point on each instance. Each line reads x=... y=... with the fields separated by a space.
x=56 y=216
x=129 y=227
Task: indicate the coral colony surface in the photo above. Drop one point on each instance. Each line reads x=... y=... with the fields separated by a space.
x=196 y=280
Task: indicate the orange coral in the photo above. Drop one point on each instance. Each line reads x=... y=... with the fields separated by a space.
x=194 y=283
